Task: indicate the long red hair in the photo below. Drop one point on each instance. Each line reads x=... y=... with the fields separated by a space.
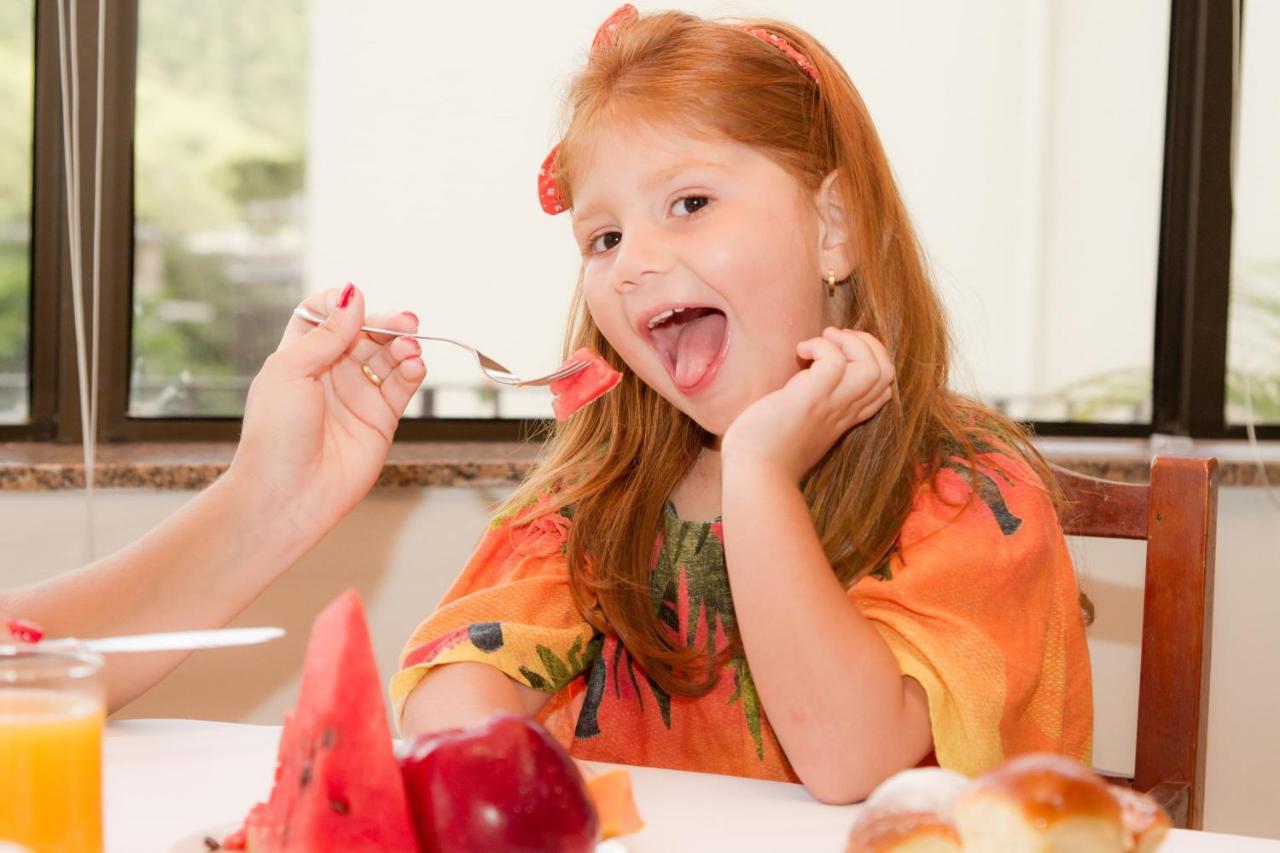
x=616 y=462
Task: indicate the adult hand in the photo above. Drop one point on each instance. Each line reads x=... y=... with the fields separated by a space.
x=849 y=379
x=316 y=428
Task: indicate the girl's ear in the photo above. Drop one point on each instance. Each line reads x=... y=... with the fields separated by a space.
x=835 y=230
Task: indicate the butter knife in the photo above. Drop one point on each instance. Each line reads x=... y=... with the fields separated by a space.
x=169 y=641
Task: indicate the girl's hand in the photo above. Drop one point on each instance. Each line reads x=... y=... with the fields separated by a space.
x=316 y=429
x=789 y=431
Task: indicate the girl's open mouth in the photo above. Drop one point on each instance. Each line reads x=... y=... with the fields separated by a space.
x=692 y=342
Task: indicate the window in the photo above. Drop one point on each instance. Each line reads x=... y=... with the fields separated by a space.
x=1029 y=142
x=1065 y=164
x=16 y=112
x=1253 y=356
x=1014 y=158
x=220 y=173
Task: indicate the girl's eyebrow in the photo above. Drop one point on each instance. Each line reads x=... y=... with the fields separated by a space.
x=653 y=181
x=666 y=175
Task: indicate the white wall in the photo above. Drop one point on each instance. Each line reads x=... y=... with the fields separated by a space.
x=401 y=548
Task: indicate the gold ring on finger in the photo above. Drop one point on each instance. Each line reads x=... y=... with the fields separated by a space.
x=370 y=375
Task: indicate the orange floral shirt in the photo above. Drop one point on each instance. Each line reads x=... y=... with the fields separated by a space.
x=978 y=604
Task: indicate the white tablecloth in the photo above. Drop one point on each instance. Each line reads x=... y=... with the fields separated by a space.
x=167 y=780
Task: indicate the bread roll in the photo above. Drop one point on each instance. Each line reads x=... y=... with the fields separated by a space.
x=910 y=812
x=1040 y=803
x=1145 y=823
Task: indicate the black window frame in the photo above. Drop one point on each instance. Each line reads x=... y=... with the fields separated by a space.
x=1192 y=281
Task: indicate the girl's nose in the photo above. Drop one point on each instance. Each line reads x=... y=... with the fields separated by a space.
x=641 y=256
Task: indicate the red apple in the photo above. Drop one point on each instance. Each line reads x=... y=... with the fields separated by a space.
x=504 y=784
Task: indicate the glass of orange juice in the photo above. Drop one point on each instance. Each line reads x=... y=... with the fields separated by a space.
x=51 y=716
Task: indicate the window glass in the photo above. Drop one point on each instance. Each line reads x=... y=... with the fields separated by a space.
x=293 y=146
x=17 y=61
x=220 y=171
x=1253 y=333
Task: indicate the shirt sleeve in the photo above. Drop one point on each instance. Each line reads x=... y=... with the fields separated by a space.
x=510 y=608
x=980 y=606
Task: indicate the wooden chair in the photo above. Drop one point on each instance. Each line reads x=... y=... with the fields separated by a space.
x=1177 y=515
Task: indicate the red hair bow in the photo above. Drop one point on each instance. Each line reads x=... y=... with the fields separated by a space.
x=606 y=36
x=607 y=33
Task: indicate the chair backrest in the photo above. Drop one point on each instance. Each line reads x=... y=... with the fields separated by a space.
x=1177 y=515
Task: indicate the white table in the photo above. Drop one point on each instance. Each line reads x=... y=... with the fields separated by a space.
x=166 y=780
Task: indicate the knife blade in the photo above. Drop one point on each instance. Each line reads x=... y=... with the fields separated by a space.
x=168 y=641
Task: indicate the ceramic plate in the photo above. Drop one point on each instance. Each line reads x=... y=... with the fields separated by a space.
x=195 y=843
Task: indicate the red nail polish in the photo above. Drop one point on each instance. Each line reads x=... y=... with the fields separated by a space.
x=24 y=631
x=417 y=347
x=347 y=293
x=412 y=316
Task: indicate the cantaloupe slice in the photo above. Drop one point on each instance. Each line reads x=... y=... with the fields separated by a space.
x=615 y=804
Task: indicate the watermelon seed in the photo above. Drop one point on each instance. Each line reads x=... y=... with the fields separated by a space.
x=339 y=806
x=306 y=774
x=329 y=737
x=211 y=843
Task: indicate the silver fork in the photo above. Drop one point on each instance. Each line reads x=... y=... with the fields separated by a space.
x=488 y=366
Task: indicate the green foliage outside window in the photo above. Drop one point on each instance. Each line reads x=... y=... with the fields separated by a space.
x=16 y=80
x=1255 y=382
x=221 y=130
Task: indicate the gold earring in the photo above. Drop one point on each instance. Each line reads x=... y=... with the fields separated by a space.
x=831 y=282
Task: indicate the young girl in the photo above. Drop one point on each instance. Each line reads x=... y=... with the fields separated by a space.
x=781 y=547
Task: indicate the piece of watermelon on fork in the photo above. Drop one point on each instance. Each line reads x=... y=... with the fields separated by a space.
x=585 y=386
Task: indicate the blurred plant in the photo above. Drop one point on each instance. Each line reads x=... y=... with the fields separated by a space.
x=1116 y=395
x=13 y=306
x=220 y=175
x=1253 y=364
x=17 y=64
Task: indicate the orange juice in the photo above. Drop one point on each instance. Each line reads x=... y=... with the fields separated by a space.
x=51 y=769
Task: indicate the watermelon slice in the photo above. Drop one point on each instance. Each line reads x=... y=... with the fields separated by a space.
x=337 y=784
x=592 y=383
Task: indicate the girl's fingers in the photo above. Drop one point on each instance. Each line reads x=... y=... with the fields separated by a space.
x=862 y=346
x=398 y=388
x=881 y=355
x=857 y=385
x=819 y=347
x=851 y=343
x=828 y=361
x=385 y=359
x=855 y=369
x=869 y=411
x=862 y=372
x=870 y=367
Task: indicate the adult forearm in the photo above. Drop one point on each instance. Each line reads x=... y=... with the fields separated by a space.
x=196 y=569
x=833 y=691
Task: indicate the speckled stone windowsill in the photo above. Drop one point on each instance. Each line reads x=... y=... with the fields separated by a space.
x=28 y=467
x=33 y=467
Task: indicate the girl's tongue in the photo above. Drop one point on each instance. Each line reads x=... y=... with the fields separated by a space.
x=691 y=339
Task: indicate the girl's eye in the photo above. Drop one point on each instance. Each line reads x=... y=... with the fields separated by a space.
x=689 y=205
x=606 y=241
